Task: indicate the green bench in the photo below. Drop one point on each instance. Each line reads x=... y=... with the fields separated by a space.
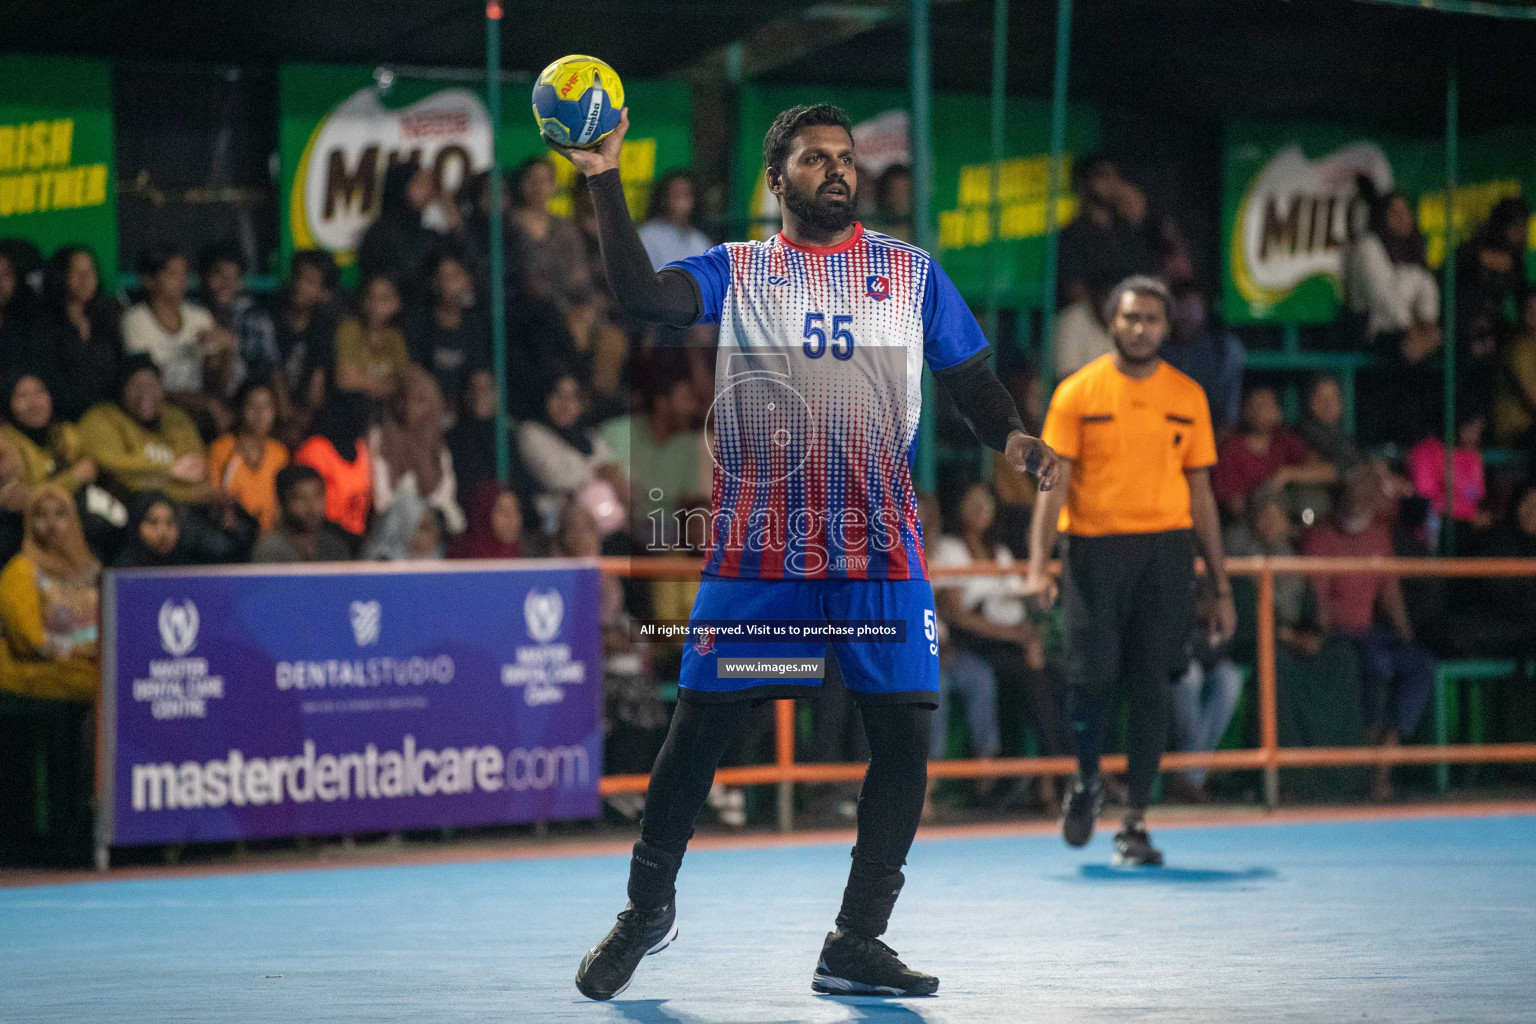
x=1474 y=673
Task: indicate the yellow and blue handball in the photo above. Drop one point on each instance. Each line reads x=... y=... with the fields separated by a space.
x=577 y=100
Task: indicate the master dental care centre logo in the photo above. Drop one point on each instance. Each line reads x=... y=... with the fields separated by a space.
x=544 y=667
x=352 y=670
x=179 y=685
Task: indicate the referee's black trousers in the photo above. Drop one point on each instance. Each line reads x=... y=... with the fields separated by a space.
x=890 y=805
x=1128 y=601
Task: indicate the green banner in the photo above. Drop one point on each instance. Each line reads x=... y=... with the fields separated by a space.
x=962 y=179
x=1290 y=206
x=56 y=179
x=339 y=131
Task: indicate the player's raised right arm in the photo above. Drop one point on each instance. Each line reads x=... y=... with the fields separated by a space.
x=670 y=297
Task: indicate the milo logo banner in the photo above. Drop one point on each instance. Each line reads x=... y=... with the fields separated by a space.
x=56 y=181
x=962 y=184
x=1291 y=206
x=342 y=126
x=249 y=702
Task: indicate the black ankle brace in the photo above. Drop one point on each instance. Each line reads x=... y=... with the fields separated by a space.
x=869 y=898
x=652 y=875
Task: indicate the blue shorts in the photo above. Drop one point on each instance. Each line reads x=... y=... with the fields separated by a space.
x=880 y=671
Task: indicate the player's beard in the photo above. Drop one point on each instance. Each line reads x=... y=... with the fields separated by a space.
x=818 y=213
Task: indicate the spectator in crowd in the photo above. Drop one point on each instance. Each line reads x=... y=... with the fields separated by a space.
x=1514 y=394
x=472 y=441
x=1079 y=337
x=1387 y=283
x=13 y=498
x=669 y=232
x=84 y=332
x=302 y=533
x=50 y=451
x=659 y=447
x=50 y=596
x=987 y=618
x=143 y=442
x=155 y=535
x=338 y=451
x=1491 y=288
x=181 y=337
x=1265 y=531
x=15 y=321
x=256 y=357
x=1200 y=347
x=562 y=454
x=1204 y=697
x=398 y=242
x=1397 y=676
x=547 y=247
x=1500 y=611
x=244 y=465
x=450 y=336
x=1017 y=492
x=370 y=350
x=495 y=525
x=1263 y=452
x=409 y=445
x=1321 y=427
x=893 y=202
x=408 y=530
x=305 y=324
x=1426 y=467
x=1108 y=240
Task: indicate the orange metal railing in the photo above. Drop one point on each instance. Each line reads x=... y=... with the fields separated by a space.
x=1269 y=756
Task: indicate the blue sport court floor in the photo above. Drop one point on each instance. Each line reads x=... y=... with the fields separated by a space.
x=1406 y=920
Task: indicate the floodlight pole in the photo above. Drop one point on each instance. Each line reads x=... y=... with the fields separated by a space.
x=1053 y=193
x=921 y=144
x=497 y=246
x=1448 y=292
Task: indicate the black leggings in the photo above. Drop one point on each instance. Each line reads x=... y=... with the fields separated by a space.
x=890 y=804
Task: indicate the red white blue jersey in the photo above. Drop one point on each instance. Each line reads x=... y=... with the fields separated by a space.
x=818 y=392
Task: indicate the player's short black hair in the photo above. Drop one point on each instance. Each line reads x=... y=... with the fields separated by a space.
x=781 y=134
x=290 y=476
x=1139 y=284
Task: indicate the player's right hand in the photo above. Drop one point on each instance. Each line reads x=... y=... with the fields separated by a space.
x=1040 y=590
x=604 y=158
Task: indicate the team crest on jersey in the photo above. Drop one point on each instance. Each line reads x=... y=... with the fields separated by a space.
x=877 y=287
x=706 y=645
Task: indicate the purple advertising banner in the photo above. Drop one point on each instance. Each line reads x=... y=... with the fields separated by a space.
x=249 y=702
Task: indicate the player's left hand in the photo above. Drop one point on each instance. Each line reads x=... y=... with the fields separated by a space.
x=1224 y=618
x=604 y=158
x=1033 y=456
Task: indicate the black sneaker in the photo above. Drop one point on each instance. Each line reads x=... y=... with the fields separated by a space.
x=609 y=966
x=852 y=965
x=1080 y=810
x=1134 y=849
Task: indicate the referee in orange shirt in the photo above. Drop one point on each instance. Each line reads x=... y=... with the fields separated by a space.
x=1136 y=435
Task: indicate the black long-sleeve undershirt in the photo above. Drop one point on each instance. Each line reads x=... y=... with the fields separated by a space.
x=668 y=297
x=985 y=405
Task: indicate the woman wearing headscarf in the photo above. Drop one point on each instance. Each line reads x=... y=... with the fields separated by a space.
x=1387 y=280
x=340 y=454
x=563 y=456
x=495 y=525
x=50 y=596
x=83 y=331
x=50 y=451
x=409 y=444
x=409 y=530
x=548 y=246
x=1491 y=286
x=155 y=535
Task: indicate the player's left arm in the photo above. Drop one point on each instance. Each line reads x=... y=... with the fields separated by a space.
x=956 y=349
x=1199 y=456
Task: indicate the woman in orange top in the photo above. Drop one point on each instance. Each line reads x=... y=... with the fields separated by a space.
x=244 y=464
x=339 y=453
